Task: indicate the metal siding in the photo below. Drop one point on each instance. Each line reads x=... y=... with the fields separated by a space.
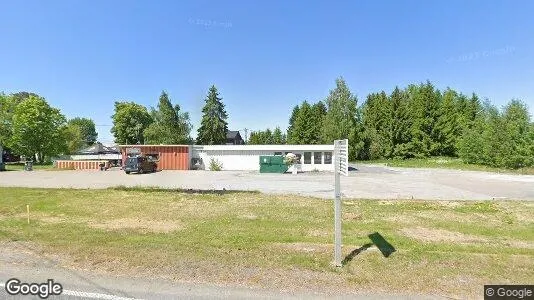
x=80 y=164
x=170 y=157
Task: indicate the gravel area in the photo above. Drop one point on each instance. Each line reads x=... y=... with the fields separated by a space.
x=369 y=181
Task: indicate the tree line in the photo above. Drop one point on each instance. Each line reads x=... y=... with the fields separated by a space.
x=168 y=124
x=416 y=121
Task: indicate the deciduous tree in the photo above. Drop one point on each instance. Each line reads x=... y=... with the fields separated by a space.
x=37 y=129
x=87 y=129
x=340 y=120
x=129 y=122
x=74 y=138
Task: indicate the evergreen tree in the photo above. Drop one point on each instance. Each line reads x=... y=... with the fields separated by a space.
x=495 y=143
x=317 y=114
x=291 y=128
x=278 y=138
x=303 y=129
x=265 y=137
x=424 y=104
x=254 y=138
x=213 y=126
x=377 y=124
x=517 y=126
x=401 y=134
x=471 y=143
x=170 y=126
x=305 y=124
x=268 y=137
x=447 y=126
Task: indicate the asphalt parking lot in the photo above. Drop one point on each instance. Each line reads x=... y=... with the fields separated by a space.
x=372 y=182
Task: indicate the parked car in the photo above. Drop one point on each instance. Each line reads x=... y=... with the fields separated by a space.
x=139 y=164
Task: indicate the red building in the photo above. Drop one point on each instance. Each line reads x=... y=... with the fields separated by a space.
x=167 y=157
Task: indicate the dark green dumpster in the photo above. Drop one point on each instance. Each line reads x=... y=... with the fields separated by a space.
x=272 y=164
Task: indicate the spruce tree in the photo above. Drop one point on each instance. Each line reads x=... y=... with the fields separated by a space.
x=401 y=134
x=495 y=142
x=277 y=138
x=318 y=112
x=377 y=124
x=213 y=126
x=268 y=137
x=302 y=131
x=424 y=104
x=254 y=138
x=516 y=123
x=447 y=128
x=290 y=136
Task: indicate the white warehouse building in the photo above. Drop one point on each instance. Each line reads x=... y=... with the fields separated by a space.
x=247 y=157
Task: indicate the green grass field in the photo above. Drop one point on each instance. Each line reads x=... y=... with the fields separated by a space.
x=448 y=248
x=444 y=163
x=20 y=167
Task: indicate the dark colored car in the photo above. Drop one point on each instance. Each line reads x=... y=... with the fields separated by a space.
x=139 y=164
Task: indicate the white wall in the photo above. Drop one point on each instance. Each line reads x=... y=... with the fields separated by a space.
x=248 y=157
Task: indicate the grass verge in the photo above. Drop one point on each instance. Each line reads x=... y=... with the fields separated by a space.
x=448 y=248
x=20 y=167
x=444 y=163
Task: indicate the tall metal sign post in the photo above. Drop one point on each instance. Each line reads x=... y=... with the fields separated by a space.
x=341 y=167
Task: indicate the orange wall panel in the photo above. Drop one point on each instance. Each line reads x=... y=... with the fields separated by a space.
x=170 y=157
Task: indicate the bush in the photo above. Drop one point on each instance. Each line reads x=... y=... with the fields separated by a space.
x=290 y=159
x=215 y=165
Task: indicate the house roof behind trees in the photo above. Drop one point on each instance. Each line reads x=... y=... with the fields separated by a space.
x=230 y=134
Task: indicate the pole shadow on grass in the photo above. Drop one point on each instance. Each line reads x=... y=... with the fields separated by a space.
x=378 y=240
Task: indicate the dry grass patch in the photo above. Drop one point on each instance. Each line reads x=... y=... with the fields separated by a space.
x=248 y=217
x=304 y=247
x=320 y=233
x=519 y=244
x=138 y=225
x=402 y=218
x=42 y=218
x=449 y=204
x=440 y=235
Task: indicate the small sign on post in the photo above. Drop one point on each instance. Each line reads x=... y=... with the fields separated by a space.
x=132 y=151
x=341 y=166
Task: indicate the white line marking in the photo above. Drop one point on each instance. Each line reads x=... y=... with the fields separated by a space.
x=88 y=295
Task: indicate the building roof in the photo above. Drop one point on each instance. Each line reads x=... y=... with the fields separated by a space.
x=230 y=134
x=288 y=148
x=155 y=145
x=327 y=147
x=98 y=148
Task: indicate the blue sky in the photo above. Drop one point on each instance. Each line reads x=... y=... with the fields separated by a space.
x=264 y=56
